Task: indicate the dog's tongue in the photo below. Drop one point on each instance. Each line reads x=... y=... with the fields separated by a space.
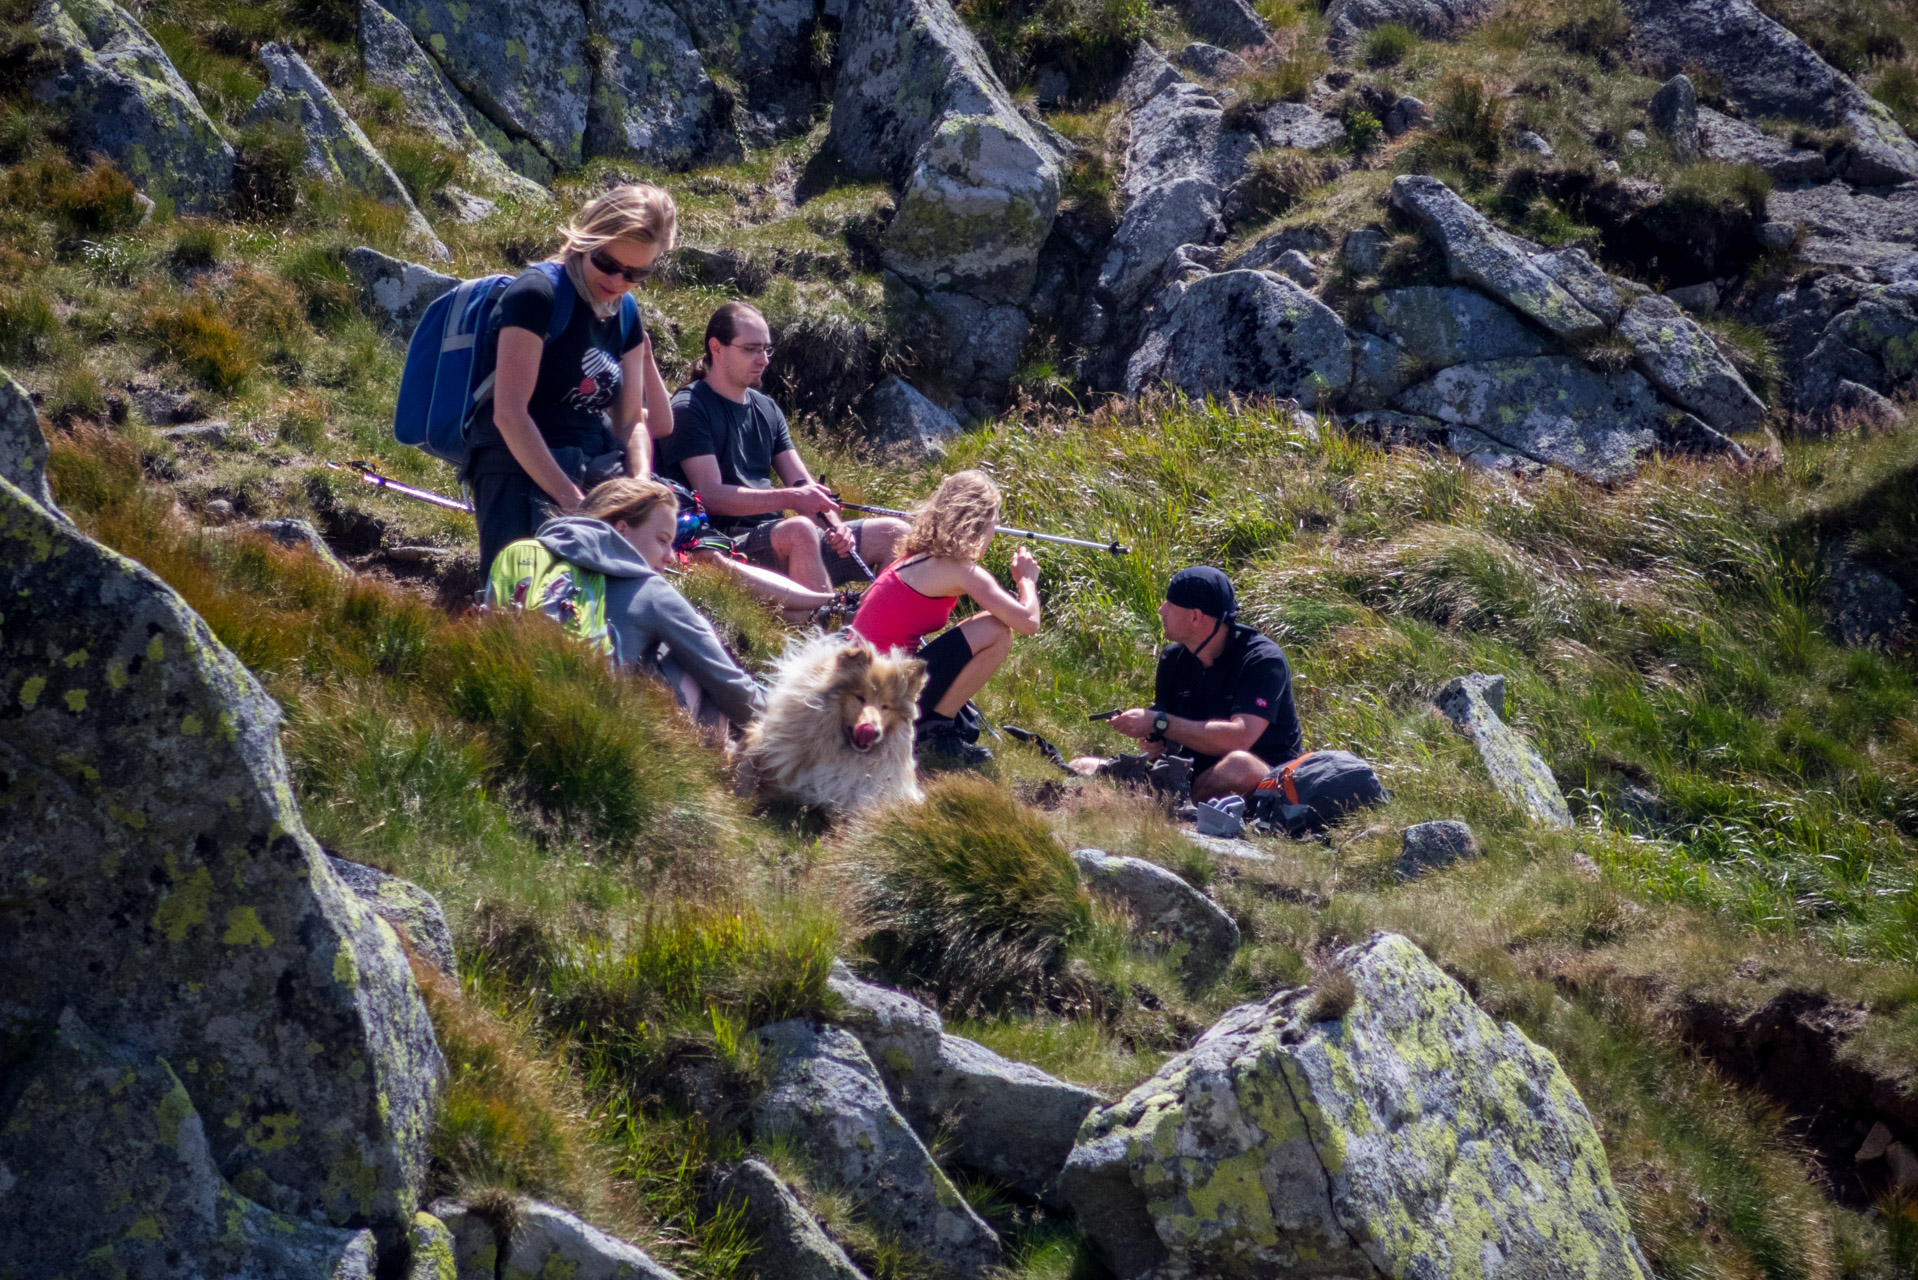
x=864 y=735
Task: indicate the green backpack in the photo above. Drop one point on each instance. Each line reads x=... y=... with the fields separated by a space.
x=528 y=576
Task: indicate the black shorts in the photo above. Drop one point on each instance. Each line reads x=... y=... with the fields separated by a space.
x=945 y=656
x=755 y=544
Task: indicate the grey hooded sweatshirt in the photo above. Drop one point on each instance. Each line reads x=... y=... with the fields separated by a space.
x=644 y=612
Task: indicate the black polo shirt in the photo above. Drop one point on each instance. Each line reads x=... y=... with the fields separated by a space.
x=1251 y=676
x=742 y=438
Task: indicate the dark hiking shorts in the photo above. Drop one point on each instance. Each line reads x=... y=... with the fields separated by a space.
x=755 y=543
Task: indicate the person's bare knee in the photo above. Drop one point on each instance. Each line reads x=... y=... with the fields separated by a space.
x=794 y=536
x=1236 y=774
x=880 y=538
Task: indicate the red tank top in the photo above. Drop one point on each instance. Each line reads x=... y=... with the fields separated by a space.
x=896 y=615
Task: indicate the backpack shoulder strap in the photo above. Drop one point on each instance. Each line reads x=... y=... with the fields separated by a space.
x=564 y=295
x=628 y=319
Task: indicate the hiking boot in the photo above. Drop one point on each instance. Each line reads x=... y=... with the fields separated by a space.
x=939 y=743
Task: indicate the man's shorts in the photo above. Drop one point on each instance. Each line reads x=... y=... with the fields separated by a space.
x=755 y=544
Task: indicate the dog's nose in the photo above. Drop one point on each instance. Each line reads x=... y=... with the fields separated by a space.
x=864 y=734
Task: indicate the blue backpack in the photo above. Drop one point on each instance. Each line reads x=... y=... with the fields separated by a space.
x=450 y=360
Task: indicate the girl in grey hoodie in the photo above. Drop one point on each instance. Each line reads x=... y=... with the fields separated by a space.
x=625 y=530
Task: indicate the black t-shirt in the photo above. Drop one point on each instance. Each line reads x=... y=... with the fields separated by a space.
x=743 y=438
x=1251 y=676
x=579 y=372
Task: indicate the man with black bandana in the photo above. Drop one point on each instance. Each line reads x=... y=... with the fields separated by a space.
x=1223 y=693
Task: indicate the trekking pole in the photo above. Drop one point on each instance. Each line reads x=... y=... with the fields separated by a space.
x=379 y=481
x=1114 y=548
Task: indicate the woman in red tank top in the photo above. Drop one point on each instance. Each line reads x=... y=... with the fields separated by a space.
x=915 y=595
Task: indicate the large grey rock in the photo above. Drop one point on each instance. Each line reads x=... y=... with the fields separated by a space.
x=1231 y=23
x=1553 y=409
x=825 y=1097
x=791 y=1244
x=394 y=58
x=1164 y=905
x=630 y=83
x=413 y=913
x=1349 y=20
x=337 y=151
x=916 y=103
x=1674 y=113
x=1250 y=332
x=1001 y=1118
x=1767 y=71
x=1476 y=704
x=1210 y=61
x=1364 y=251
x=1872 y=345
x=1574 y=271
x=1299 y=127
x=475 y=1242
x=393 y=291
x=104 y=1158
x=1867 y=607
x=977 y=343
x=1402 y=1133
x=160 y=882
x=548 y=1243
x=1477 y=253
x=1181 y=162
x=23 y=446
x=1264 y=253
x=905 y=418
x=1872 y=236
x=1440 y=327
x=1428 y=846
x=1380 y=371
x=1682 y=361
x=1730 y=141
x=122 y=97
x=299 y=534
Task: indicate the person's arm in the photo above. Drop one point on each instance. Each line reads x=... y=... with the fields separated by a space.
x=1022 y=613
x=792 y=469
x=516 y=374
x=632 y=410
x=1207 y=737
x=695 y=646
x=659 y=401
x=723 y=499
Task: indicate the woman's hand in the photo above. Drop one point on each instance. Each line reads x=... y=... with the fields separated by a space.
x=1025 y=568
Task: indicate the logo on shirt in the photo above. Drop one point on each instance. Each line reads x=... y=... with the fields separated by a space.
x=1258 y=702
x=599 y=382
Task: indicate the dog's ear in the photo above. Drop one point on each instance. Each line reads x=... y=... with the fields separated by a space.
x=912 y=679
x=855 y=656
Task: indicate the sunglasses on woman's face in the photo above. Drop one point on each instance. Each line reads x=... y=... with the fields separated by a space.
x=607 y=264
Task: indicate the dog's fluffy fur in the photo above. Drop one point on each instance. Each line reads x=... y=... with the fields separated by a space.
x=805 y=747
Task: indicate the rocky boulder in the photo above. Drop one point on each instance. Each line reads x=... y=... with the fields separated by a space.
x=1866 y=606
x=1558 y=411
x=1674 y=113
x=1684 y=363
x=393 y=291
x=1231 y=23
x=1767 y=71
x=1429 y=846
x=1730 y=141
x=1871 y=236
x=903 y=418
x=1872 y=347
x=1181 y=162
x=1478 y=253
x=1349 y=20
x=1398 y=1132
x=497 y=163
x=792 y=1246
x=414 y=914
x=1002 y=1118
x=165 y=889
x=122 y=97
x=104 y=1153
x=23 y=446
x=917 y=104
x=1439 y=327
x=1476 y=704
x=825 y=1097
x=337 y=151
x=1164 y=906
x=548 y=1242
x=1249 y=332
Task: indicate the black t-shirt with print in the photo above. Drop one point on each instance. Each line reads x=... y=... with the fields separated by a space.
x=1250 y=676
x=579 y=374
x=743 y=438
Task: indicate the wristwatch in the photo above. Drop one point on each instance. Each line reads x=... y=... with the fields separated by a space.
x=1159 y=723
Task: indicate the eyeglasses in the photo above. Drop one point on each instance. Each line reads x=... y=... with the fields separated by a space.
x=753 y=348
x=607 y=264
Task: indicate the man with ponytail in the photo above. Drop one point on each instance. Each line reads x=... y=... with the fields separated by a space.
x=729 y=440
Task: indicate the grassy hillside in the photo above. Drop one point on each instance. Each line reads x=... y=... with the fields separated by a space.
x=1746 y=790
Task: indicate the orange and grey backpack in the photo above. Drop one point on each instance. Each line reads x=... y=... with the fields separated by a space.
x=1315 y=790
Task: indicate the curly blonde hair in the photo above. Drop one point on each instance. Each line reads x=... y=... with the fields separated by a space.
x=628 y=498
x=956 y=522
x=639 y=212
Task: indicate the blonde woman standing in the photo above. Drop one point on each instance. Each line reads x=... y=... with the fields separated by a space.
x=584 y=406
x=915 y=595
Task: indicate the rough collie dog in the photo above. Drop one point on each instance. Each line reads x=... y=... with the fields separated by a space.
x=837 y=733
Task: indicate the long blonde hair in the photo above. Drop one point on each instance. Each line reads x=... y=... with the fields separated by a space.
x=628 y=498
x=639 y=212
x=956 y=522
